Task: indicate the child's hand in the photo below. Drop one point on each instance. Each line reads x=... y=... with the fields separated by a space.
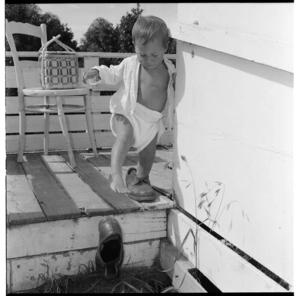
x=93 y=74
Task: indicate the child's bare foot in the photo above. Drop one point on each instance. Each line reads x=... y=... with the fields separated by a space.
x=117 y=184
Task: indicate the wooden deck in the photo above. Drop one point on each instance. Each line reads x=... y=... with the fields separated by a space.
x=53 y=213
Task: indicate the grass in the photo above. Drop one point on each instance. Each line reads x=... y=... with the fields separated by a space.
x=205 y=204
x=131 y=280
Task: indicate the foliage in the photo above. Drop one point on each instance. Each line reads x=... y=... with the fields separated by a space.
x=100 y=36
x=31 y=13
x=172 y=46
x=87 y=280
x=54 y=28
x=125 y=27
x=206 y=203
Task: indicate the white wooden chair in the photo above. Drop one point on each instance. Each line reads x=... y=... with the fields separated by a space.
x=46 y=108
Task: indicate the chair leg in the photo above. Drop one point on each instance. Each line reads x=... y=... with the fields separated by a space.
x=21 y=135
x=46 y=128
x=88 y=115
x=62 y=121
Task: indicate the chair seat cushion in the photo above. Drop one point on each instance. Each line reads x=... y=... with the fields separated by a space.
x=38 y=91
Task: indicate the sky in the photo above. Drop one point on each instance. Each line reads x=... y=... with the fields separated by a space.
x=79 y=16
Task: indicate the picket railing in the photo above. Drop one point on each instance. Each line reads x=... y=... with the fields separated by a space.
x=75 y=122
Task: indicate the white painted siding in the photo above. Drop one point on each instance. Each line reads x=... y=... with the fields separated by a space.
x=267 y=20
x=234 y=125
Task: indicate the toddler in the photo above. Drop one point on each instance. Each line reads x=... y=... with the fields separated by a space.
x=142 y=107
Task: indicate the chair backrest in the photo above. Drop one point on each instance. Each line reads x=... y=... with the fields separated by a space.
x=27 y=29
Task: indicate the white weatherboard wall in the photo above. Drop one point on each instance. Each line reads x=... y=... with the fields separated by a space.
x=234 y=124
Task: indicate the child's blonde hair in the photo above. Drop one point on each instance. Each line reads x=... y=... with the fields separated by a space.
x=147 y=28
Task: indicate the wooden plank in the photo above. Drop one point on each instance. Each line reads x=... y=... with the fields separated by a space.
x=25 y=218
x=166 y=139
x=34 y=142
x=159 y=176
x=22 y=206
x=26 y=270
x=163 y=184
x=103 y=165
x=139 y=253
x=77 y=234
x=163 y=155
x=99 y=183
x=157 y=168
x=25 y=28
x=168 y=254
x=57 y=142
x=31 y=77
x=86 y=54
x=162 y=202
x=55 y=203
x=184 y=281
x=75 y=122
x=265 y=51
x=90 y=61
x=8 y=277
x=222 y=266
x=178 y=271
x=98 y=103
x=81 y=193
x=101 y=87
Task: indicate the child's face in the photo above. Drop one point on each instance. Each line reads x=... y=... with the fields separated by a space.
x=150 y=54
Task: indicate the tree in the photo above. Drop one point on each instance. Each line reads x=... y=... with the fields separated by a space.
x=103 y=37
x=54 y=28
x=31 y=13
x=172 y=46
x=125 y=27
x=100 y=36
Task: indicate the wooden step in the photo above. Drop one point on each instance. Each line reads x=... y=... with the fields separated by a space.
x=45 y=187
x=64 y=246
x=54 y=201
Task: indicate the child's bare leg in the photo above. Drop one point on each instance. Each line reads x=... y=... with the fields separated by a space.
x=146 y=158
x=124 y=141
